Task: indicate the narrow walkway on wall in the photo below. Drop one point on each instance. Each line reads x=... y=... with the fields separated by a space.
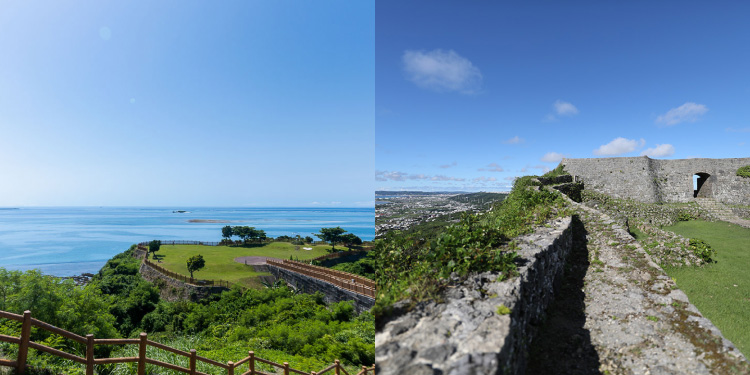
x=623 y=314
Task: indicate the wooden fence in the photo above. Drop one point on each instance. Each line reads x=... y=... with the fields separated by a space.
x=24 y=343
x=345 y=280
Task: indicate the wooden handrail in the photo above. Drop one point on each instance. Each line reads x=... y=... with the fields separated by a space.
x=24 y=343
x=325 y=274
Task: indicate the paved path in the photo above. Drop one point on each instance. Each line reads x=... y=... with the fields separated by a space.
x=256 y=261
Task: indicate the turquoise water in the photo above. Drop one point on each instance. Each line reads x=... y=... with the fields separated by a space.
x=72 y=240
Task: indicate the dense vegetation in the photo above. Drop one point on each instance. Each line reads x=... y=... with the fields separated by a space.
x=744 y=171
x=479 y=198
x=558 y=171
x=358 y=264
x=276 y=323
x=414 y=267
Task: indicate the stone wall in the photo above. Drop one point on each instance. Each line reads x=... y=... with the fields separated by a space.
x=653 y=181
x=471 y=332
x=175 y=290
x=331 y=293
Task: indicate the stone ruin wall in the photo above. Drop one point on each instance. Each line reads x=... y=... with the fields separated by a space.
x=671 y=181
x=466 y=334
x=176 y=290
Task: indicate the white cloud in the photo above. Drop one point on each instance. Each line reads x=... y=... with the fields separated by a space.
x=445 y=166
x=659 y=151
x=687 y=112
x=511 y=178
x=742 y=130
x=492 y=167
x=514 y=141
x=440 y=70
x=552 y=157
x=564 y=108
x=620 y=146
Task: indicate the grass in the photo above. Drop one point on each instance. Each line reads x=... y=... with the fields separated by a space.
x=220 y=262
x=721 y=291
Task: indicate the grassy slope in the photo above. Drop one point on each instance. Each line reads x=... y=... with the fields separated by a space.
x=220 y=262
x=721 y=291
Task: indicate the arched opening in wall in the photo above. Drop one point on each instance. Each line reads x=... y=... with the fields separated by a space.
x=701 y=189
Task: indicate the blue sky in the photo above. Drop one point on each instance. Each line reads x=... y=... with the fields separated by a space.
x=470 y=95
x=232 y=103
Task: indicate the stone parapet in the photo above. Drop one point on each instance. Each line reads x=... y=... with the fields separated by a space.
x=472 y=332
x=175 y=290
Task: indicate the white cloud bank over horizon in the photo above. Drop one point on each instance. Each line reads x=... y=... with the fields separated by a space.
x=441 y=71
x=689 y=112
x=402 y=176
x=619 y=146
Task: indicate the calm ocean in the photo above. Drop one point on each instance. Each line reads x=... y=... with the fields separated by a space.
x=72 y=240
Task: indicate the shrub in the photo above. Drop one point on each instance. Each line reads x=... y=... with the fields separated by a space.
x=702 y=250
x=744 y=171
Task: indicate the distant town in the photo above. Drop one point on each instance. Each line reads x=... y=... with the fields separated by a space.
x=401 y=210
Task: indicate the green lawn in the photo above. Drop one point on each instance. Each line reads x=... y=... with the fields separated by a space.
x=721 y=291
x=220 y=262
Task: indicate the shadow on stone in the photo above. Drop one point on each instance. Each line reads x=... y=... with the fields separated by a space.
x=562 y=345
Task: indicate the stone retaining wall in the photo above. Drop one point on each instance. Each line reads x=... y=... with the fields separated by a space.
x=469 y=333
x=331 y=293
x=175 y=290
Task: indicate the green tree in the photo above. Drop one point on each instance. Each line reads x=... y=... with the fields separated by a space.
x=350 y=239
x=154 y=246
x=331 y=235
x=195 y=263
x=262 y=235
x=226 y=232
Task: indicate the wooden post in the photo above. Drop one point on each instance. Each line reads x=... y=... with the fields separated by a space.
x=142 y=354
x=251 y=363
x=338 y=367
x=89 y=354
x=231 y=368
x=193 y=356
x=286 y=368
x=364 y=370
x=23 y=346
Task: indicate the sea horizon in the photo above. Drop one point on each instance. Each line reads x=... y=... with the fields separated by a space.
x=70 y=240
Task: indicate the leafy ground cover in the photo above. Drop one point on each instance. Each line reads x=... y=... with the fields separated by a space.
x=720 y=290
x=416 y=265
x=220 y=262
x=277 y=323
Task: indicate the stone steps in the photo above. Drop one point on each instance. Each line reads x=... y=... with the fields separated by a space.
x=721 y=212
